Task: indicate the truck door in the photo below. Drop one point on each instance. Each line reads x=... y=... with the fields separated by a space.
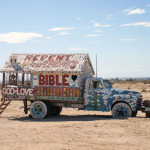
x=94 y=95
x=99 y=94
x=103 y=95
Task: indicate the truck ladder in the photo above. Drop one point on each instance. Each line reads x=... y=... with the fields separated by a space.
x=4 y=105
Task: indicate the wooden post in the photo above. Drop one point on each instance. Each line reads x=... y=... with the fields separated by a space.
x=23 y=79
x=25 y=106
x=16 y=78
x=3 y=79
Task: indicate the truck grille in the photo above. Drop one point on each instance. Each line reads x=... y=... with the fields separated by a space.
x=139 y=102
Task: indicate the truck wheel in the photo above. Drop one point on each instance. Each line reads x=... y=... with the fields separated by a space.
x=134 y=113
x=55 y=111
x=121 y=110
x=148 y=114
x=38 y=109
x=146 y=103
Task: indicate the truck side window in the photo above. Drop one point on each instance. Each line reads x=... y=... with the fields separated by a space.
x=97 y=85
x=90 y=84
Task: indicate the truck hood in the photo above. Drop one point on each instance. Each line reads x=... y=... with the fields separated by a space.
x=125 y=92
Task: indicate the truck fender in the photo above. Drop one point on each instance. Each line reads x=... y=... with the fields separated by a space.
x=120 y=102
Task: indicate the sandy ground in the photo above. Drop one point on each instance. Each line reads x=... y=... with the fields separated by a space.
x=75 y=129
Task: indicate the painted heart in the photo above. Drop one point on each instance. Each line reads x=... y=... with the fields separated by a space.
x=74 y=77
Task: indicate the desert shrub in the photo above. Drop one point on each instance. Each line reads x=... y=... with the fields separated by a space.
x=143 y=90
x=129 y=88
x=146 y=81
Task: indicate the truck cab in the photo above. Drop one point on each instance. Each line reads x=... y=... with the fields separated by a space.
x=99 y=95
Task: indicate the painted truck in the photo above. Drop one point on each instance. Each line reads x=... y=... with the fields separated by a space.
x=50 y=82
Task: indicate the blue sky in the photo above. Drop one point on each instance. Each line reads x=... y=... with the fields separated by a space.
x=118 y=31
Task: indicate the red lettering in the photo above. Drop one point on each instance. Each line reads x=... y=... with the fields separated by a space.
x=51 y=58
x=65 y=80
x=36 y=57
x=43 y=57
x=28 y=57
x=57 y=81
x=68 y=57
x=41 y=80
x=59 y=57
x=51 y=80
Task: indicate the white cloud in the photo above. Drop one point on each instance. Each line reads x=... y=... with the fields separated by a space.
x=64 y=33
x=148 y=5
x=145 y=24
x=79 y=18
x=61 y=29
x=76 y=49
x=95 y=42
x=93 y=35
x=131 y=11
x=99 y=31
x=109 y=17
x=18 y=37
x=100 y=25
x=45 y=38
x=36 y=41
x=128 y=40
x=48 y=37
x=93 y=21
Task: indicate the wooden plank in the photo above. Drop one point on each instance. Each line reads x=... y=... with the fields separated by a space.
x=3 y=79
x=68 y=92
x=23 y=79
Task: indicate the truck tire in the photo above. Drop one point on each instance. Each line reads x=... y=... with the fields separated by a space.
x=38 y=109
x=148 y=114
x=121 y=110
x=54 y=111
x=134 y=113
x=146 y=103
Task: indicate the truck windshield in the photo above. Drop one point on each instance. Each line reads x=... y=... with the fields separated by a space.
x=107 y=84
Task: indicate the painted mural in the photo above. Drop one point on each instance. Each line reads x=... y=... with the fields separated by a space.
x=65 y=80
x=17 y=91
x=46 y=63
x=102 y=98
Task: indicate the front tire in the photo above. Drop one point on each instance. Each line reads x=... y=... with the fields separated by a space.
x=148 y=114
x=121 y=110
x=38 y=109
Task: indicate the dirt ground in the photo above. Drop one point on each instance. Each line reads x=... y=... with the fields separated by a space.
x=74 y=129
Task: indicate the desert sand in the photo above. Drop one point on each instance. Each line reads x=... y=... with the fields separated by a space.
x=75 y=130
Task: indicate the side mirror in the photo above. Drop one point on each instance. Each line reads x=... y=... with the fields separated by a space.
x=112 y=90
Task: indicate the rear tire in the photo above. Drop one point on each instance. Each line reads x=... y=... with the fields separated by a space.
x=38 y=109
x=55 y=111
x=121 y=110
